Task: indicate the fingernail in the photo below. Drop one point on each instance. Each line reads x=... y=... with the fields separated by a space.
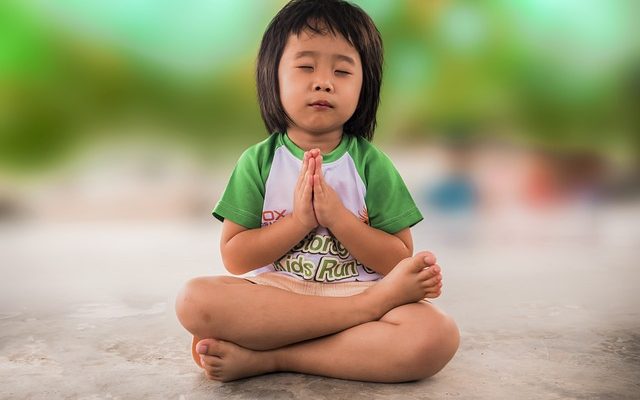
x=202 y=349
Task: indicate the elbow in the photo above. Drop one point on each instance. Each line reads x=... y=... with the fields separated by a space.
x=406 y=251
x=231 y=263
x=233 y=268
x=228 y=260
x=401 y=255
x=391 y=262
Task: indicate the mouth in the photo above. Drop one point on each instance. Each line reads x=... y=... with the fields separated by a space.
x=321 y=104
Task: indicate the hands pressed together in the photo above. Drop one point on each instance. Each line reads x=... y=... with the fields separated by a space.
x=314 y=201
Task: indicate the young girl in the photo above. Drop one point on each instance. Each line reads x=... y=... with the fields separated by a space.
x=317 y=219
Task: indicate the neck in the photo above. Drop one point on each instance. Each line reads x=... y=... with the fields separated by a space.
x=326 y=141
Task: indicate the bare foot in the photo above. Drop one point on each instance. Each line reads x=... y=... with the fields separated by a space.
x=412 y=280
x=225 y=361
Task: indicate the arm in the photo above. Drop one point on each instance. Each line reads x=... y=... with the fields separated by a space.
x=376 y=249
x=244 y=250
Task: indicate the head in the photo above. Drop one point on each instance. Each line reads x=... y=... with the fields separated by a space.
x=338 y=27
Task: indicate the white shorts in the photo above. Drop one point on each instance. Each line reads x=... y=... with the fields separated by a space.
x=295 y=285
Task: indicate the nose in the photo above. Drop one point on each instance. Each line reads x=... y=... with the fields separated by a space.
x=322 y=84
x=325 y=87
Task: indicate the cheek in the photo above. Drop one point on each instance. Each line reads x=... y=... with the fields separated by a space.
x=287 y=88
x=359 y=86
x=284 y=91
x=355 y=93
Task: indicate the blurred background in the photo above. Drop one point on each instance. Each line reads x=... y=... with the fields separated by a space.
x=507 y=120
x=515 y=124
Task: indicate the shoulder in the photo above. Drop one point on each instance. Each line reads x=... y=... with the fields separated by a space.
x=368 y=156
x=263 y=149
x=260 y=155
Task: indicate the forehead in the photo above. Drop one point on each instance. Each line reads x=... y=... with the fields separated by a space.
x=315 y=44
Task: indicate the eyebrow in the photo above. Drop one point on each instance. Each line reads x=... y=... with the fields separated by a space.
x=342 y=57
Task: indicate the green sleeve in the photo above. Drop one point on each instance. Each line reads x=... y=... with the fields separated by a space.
x=389 y=203
x=243 y=197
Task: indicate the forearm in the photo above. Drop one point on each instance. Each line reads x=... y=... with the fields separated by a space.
x=254 y=248
x=372 y=247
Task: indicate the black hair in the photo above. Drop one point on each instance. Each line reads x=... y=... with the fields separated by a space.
x=322 y=17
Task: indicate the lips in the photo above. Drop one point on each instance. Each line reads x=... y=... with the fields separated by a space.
x=321 y=103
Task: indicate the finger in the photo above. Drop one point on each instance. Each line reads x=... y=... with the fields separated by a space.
x=323 y=182
x=317 y=186
x=305 y=163
x=310 y=182
x=303 y=170
x=310 y=171
x=307 y=192
x=318 y=160
x=307 y=189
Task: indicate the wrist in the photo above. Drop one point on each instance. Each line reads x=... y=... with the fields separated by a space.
x=299 y=225
x=340 y=216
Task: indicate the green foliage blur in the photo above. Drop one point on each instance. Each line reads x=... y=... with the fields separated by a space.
x=561 y=74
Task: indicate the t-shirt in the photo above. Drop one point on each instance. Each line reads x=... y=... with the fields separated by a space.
x=261 y=187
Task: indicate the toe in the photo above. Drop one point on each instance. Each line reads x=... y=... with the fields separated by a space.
x=212 y=376
x=194 y=352
x=429 y=258
x=431 y=282
x=434 y=291
x=430 y=272
x=417 y=262
x=426 y=257
x=210 y=362
x=434 y=270
x=210 y=347
x=426 y=273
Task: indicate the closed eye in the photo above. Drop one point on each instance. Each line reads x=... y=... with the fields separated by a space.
x=306 y=67
x=343 y=72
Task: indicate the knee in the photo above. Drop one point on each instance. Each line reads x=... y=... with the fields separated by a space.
x=435 y=347
x=194 y=303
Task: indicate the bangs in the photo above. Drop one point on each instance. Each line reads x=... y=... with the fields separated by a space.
x=323 y=25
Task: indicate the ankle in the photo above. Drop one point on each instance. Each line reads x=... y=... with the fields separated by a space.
x=371 y=305
x=276 y=360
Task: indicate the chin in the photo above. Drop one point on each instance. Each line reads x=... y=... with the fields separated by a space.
x=322 y=127
x=322 y=130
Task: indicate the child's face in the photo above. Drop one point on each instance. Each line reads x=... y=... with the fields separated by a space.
x=317 y=68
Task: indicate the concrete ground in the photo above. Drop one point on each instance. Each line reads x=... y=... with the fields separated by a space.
x=547 y=305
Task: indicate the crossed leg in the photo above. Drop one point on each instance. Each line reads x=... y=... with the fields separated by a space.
x=381 y=335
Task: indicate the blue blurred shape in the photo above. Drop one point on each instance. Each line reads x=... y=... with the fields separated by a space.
x=455 y=193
